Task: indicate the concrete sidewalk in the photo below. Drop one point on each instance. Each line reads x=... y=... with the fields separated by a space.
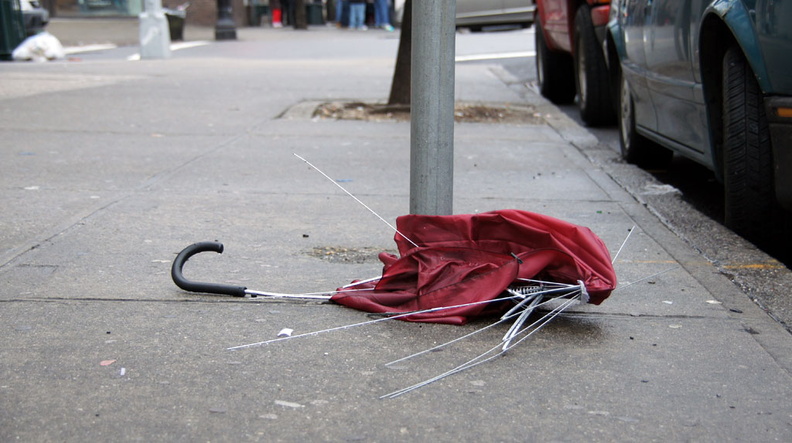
x=111 y=167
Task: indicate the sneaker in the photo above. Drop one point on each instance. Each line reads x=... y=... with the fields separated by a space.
x=363 y=28
x=388 y=28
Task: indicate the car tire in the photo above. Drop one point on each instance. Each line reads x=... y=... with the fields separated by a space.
x=635 y=148
x=554 y=72
x=591 y=73
x=749 y=185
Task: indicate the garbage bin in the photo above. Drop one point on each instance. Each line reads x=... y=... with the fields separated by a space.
x=256 y=12
x=313 y=13
x=12 y=28
x=176 y=19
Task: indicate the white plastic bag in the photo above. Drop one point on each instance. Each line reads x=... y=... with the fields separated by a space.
x=39 y=48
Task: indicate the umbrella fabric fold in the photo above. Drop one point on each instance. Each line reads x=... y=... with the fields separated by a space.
x=463 y=259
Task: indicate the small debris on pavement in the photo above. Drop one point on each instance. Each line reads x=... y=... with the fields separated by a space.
x=288 y=404
x=463 y=112
x=653 y=189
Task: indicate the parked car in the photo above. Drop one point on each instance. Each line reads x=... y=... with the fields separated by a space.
x=35 y=16
x=569 y=56
x=476 y=14
x=711 y=80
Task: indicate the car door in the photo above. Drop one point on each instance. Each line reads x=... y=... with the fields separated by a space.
x=478 y=11
x=670 y=45
x=633 y=17
x=517 y=7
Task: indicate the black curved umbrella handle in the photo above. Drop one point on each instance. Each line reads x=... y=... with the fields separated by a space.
x=210 y=288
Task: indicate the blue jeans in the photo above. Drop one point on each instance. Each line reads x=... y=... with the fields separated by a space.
x=381 y=13
x=340 y=10
x=357 y=15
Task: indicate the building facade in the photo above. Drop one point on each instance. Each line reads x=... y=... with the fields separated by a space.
x=199 y=12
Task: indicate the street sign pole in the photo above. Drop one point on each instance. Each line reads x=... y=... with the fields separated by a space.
x=432 y=107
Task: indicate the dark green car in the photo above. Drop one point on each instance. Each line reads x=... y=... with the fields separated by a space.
x=712 y=81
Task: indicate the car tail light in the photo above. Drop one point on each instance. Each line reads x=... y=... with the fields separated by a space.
x=784 y=112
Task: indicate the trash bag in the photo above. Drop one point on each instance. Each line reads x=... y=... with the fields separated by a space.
x=39 y=48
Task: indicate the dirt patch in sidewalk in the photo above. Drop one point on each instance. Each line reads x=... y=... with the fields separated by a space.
x=348 y=255
x=463 y=112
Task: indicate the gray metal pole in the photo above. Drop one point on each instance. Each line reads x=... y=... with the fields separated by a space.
x=154 y=34
x=432 y=107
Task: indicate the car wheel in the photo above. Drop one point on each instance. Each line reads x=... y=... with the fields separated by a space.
x=636 y=148
x=554 y=72
x=594 y=97
x=749 y=186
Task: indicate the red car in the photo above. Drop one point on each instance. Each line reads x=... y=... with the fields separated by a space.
x=570 y=60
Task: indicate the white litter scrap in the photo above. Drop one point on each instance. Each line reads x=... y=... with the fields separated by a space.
x=288 y=404
x=285 y=332
x=651 y=189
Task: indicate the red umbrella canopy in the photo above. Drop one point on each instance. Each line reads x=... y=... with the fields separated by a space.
x=463 y=259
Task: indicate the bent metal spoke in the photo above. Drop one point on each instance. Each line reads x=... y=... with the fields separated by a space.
x=370 y=322
x=491 y=353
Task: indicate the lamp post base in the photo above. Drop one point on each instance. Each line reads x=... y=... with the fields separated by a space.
x=225 y=32
x=225 y=29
